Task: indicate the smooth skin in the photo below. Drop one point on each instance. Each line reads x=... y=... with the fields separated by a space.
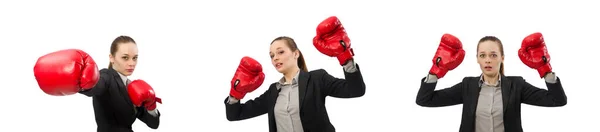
x=490 y=58
x=284 y=59
x=125 y=58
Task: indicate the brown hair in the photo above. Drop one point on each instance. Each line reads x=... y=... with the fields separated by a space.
x=494 y=39
x=292 y=45
x=115 y=45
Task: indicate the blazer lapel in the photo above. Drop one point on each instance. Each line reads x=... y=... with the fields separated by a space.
x=122 y=87
x=303 y=81
x=475 y=89
x=506 y=89
x=273 y=99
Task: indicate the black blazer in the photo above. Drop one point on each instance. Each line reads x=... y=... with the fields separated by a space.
x=112 y=106
x=515 y=90
x=314 y=86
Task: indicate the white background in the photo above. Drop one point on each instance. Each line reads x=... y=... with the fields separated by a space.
x=189 y=52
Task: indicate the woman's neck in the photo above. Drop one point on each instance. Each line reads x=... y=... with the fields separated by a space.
x=290 y=75
x=493 y=79
x=119 y=71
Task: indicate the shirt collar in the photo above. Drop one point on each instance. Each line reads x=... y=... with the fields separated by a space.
x=281 y=81
x=481 y=82
x=123 y=78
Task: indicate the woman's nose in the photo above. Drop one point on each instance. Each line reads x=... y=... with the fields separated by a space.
x=131 y=63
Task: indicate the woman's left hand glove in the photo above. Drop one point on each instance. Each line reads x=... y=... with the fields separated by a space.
x=332 y=40
x=534 y=54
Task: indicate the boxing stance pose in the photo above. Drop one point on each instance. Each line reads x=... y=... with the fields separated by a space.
x=117 y=100
x=296 y=103
x=491 y=101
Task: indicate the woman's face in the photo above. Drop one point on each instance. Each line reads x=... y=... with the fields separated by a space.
x=489 y=58
x=282 y=57
x=125 y=59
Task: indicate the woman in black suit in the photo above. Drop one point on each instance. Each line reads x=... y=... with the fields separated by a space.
x=492 y=101
x=113 y=107
x=297 y=102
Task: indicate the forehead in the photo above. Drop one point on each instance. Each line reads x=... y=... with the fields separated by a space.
x=489 y=46
x=279 y=44
x=127 y=48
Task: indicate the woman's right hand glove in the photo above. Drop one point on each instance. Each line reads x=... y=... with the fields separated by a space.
x=247 y=78
x=449 y=55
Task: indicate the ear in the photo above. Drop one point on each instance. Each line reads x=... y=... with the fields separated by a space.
x=112 y=58
x=296 y=54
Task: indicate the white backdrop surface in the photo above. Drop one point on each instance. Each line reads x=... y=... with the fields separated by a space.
x=189 y=51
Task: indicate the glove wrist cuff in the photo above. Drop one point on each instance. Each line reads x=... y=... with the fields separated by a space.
x=151 y=107
x=438 y=71
x=545 y=69
x=346 y=56
x=236 y=94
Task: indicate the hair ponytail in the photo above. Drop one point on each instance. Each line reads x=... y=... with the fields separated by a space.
x=302 y=63
x=109 y=65
x=502 y=68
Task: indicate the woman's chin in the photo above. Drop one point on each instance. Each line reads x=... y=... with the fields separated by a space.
x=128 y=73
x=280 y=70
x=489 y=73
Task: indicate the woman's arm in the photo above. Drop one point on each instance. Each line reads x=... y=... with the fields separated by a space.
x=100 y=87
x=553 y=97
x=352 y=86
x=429 y=97
x=150 y=117
x=252 y=108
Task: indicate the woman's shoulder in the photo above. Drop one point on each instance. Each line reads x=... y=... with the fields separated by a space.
x=512 y=78
x=471 y=78
x=317 y=71
x=515 y=78
x=106 y=72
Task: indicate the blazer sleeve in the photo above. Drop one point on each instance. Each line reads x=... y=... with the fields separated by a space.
x=553 y=97
x=350 y=87
x=429 y=97
x=251 y=108
x=151 y=121
x=100 y=87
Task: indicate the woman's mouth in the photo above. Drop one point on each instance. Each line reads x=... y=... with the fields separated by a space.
x=129 y=70
x=488 y=68
x=278 y=65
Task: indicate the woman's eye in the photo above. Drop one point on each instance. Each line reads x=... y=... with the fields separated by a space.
x=494 y=55
x=482 y=55
x=135 y=58
x=125 y=58
x=271 y=56
x=280 y=52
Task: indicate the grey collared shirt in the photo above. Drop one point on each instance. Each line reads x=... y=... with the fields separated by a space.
x=287 y=108
x=489 y=113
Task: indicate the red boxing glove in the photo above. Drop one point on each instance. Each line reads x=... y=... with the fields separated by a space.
x=332 y=40
x=449 y=55
x=247 y=78
x=534 y=54
x=66 y=72
x=142 y=94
